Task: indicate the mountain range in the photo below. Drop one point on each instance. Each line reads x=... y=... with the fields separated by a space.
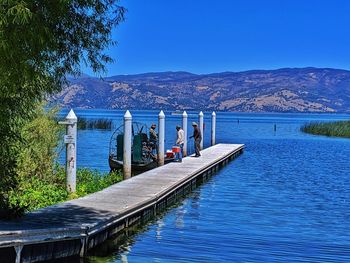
x=281 y=90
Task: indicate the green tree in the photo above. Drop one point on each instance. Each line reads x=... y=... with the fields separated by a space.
x=41 y=41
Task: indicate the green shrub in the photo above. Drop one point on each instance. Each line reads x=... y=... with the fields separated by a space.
x=39 y=148
x=92 y=181
x=37 y=193
x=34 y=157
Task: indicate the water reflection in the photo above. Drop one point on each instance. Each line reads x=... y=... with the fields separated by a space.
x=126 y=251
x=179 y=215
x=160 y=224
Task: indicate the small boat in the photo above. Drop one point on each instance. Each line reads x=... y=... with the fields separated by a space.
x=143 y=151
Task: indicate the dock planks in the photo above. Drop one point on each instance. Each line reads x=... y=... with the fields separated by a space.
x=115 y=205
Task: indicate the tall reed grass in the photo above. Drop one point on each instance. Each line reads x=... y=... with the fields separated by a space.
x=337 y=129
x=103 y=124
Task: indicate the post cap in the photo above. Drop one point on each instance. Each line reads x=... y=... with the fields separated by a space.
x=127 y=115
x=201 y=113
x=161 y=115
x=213 y=114
x=184 y=114
x=71 y=116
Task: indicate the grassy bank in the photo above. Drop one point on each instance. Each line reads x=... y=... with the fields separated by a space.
x=337 y=129
x=37 y=193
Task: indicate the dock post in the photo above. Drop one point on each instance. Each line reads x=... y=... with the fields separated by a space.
x=127 y=145
x=201 y=128
x=184 y=127
x=213 y=128
x=161 y=137
x=70 y=139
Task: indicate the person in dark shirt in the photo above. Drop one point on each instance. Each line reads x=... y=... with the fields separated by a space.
x=197 y=138
x=153 y=139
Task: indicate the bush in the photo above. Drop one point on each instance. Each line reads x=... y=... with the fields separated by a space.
x=37 y=193
x=39 y=148
x=92 y=181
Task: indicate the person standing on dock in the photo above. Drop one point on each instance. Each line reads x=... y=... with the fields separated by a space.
x=197 y=138
x=180 y=142
x=153 y=138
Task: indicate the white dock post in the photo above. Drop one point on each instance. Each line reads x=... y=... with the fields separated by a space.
x=71 y=151
x=213 y=128
x=161 y=137
x=127 y=145
x=184 y=127
x=201 y=128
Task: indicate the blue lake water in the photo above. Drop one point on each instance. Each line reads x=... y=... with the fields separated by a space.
x=285 y=199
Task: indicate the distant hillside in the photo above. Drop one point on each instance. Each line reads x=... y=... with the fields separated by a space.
x=282 y=90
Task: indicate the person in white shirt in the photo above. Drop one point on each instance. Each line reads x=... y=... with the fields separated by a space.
x=180 y=142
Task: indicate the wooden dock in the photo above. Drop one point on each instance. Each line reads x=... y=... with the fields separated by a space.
x=73 y=227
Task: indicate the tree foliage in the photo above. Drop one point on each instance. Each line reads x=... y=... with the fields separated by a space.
x=41 y=41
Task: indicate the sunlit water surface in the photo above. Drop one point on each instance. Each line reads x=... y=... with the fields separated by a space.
x=285 y=199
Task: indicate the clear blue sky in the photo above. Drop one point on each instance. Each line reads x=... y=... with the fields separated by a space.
x=203 y=36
